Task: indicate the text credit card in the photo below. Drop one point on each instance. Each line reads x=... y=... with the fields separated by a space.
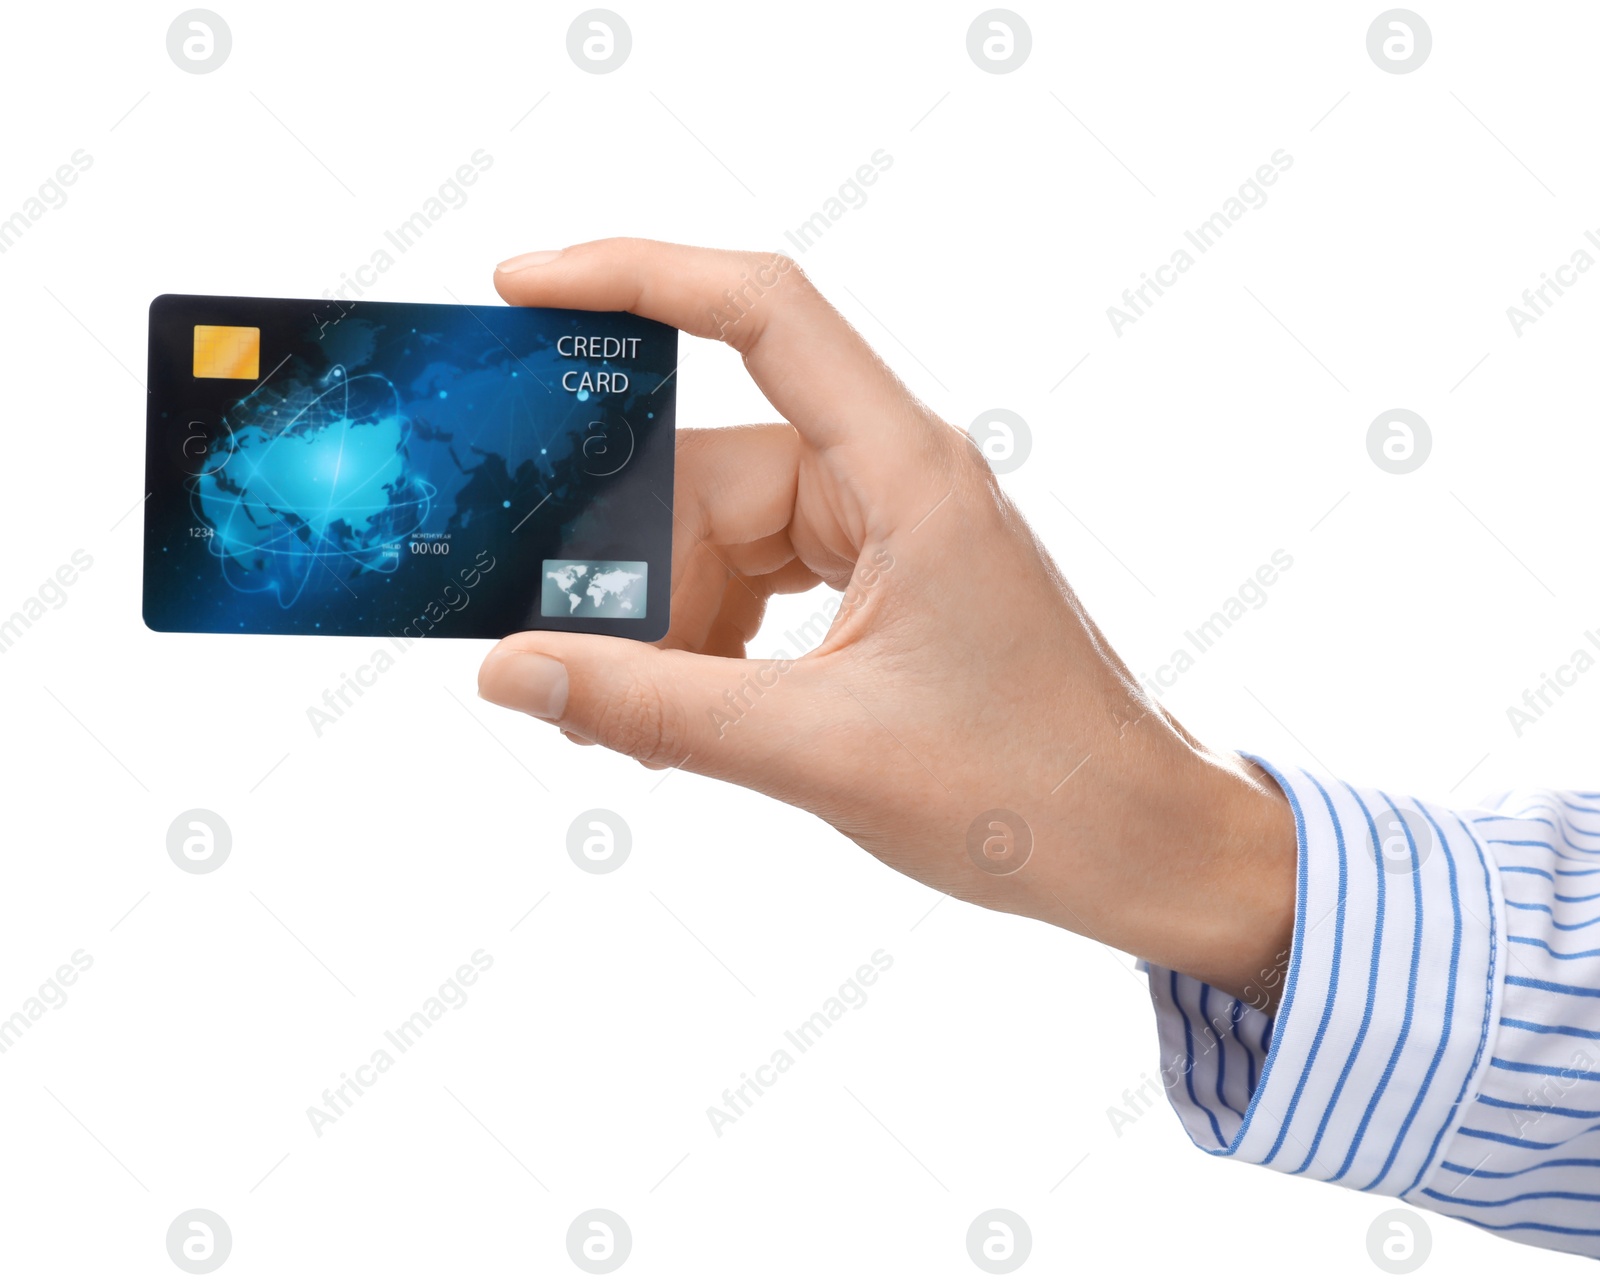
x=407 y=469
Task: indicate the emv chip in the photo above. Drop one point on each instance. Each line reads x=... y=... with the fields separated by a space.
x=227 y=352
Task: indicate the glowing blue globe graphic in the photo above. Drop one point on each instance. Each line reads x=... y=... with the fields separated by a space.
x=314 y=480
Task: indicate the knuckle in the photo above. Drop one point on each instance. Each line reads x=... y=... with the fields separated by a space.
x=960 y=455
x=787 y=268
x=774 y=272
x=973 y=480
x=759 y=284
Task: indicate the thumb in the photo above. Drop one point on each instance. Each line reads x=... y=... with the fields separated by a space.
x=753 y=722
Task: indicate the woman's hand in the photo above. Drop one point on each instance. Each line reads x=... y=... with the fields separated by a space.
x=996 y=750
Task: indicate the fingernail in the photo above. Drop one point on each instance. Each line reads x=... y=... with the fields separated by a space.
x=535 y=684
x=531 y=259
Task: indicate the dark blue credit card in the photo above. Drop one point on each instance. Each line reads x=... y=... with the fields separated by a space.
x=407 y=469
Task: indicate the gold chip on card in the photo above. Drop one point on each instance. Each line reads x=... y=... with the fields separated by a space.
x=227 y=352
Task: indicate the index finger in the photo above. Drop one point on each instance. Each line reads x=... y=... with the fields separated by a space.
x=813 y=366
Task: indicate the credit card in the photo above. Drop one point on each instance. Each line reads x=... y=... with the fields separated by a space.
x=407 y=469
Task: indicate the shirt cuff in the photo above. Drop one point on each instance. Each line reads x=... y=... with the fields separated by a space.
x=1391 y=990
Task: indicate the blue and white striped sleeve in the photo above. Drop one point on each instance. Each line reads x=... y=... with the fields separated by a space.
x=1438 y=1035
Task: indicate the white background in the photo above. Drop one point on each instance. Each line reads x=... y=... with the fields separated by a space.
x=372 y=861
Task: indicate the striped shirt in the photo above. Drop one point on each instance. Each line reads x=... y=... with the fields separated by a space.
x=1438 y=1035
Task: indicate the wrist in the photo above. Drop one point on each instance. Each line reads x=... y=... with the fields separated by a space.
x=1239 y=928
x=1189 y=862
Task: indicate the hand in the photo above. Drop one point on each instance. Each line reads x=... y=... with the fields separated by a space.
x=916 y=713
